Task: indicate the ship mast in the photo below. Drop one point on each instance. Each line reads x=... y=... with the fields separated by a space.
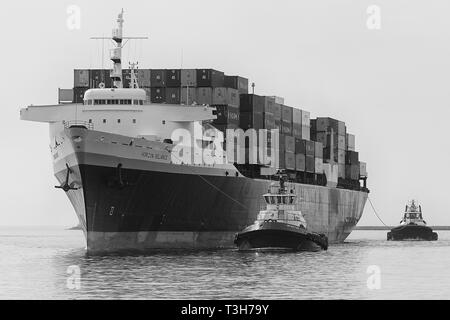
x=116 y=53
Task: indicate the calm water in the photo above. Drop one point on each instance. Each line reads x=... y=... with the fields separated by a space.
x=34 y=265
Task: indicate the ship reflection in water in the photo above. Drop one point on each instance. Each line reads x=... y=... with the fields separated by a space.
x=35 y=264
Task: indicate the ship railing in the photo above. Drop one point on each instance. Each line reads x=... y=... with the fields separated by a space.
x=78 y=124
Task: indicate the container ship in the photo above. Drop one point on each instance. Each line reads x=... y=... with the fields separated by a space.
x=111 y=140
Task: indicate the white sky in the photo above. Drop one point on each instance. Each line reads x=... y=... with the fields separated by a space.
x=390 y=86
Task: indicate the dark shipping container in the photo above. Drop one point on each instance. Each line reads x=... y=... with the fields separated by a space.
x=173 y=78
x=210 y=78
x=158 y=95
x=158 y=78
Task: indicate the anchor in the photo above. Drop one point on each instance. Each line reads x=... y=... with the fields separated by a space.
x=66 y=186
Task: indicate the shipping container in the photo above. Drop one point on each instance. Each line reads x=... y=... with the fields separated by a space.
x=341 y=142
x=297 y=117
x=296 y=129
x=210 y=78
x=173 y=78
x=350 y=141
x=282 y=152
x=143 y=78
x=204 y=96
x=290 y=160
x=148 y=95
x=330 y=155
x=318 y=165
x=269 y=103
x=251 y=120
x=173 y=95
x=300 y=162
x=310 y=148
x=99 y=78
x=227 y=114
x=351 y=158
x=327 y=125
x=78 y=94
x=81 y=78
x=310 y=164
x=252 y=103
x=158 y=95
x=318 y=150
x=300 y=146
x=224 y=95
x=278 y=125
x=289 y=144
x=306 y=133
x=341 y=128
x=277 y=111
x=126 y=78
x=238 y=83
x=306 y=118
x=352 y=172
x=188 y=96
x=158 y=78
x=286 y=128
x=323 y=138
x=363 y=169
x=278 y=100
x=341 y=170
x=269 y=121
x=286 y=114
x=341 y=156
x=188 y=77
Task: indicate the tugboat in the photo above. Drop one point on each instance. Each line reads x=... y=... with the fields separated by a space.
x=280 y=226
x=412 y=226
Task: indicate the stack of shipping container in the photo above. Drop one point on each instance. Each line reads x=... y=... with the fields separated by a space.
x=306 y=147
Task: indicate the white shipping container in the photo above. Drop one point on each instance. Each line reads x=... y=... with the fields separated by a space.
x=306 y=132
x=319 y=166
x=188 y=77
x=297 y=116
x=350 y=142
x=306 y=118
x=363 y=169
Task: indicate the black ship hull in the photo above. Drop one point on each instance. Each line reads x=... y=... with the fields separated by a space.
x=412 y=232
x=279 y=236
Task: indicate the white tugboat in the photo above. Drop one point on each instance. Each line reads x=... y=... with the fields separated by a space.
x=412 y=226
x=280 y=225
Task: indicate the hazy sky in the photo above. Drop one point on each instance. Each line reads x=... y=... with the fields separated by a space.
x=390 y=86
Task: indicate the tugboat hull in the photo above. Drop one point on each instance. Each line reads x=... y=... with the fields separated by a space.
x=412 y=232
x=279 y=236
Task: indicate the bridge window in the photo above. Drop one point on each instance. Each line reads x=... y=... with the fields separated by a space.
x=134 y=120
x=104 y=120
x=90 y=120
x=118 y=120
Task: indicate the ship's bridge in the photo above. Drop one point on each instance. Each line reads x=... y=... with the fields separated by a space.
x=122 y=96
